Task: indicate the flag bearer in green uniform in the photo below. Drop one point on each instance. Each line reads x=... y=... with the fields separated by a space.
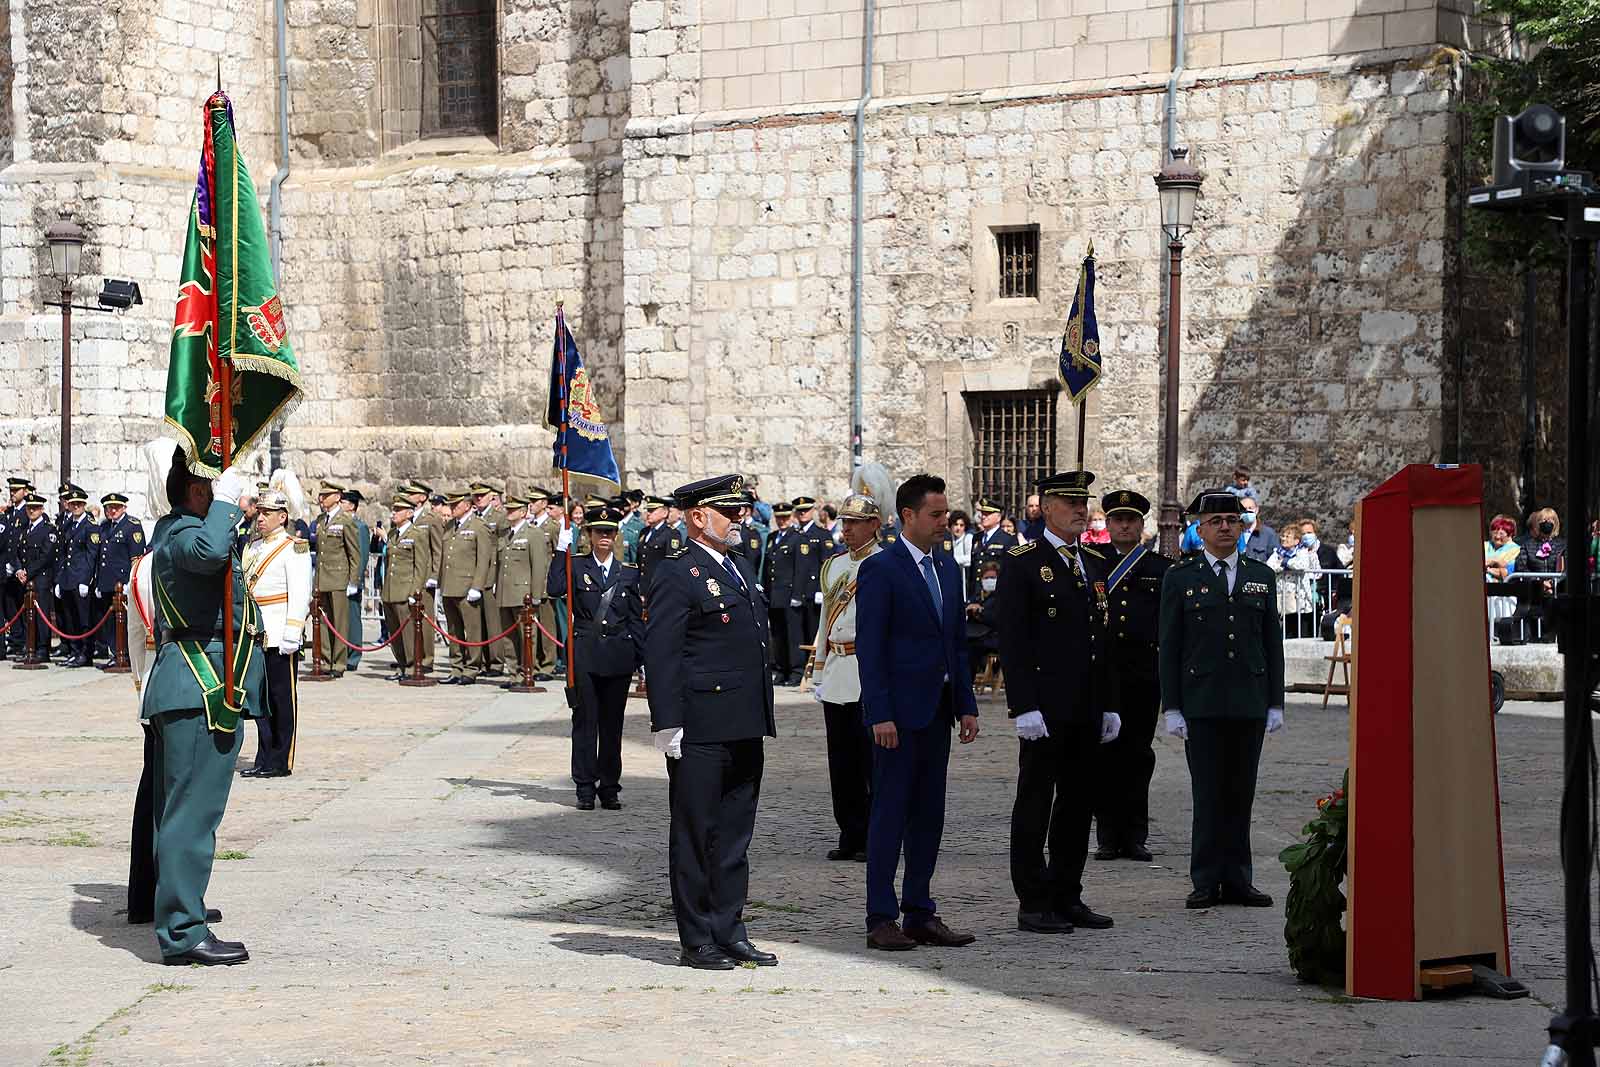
x=196 y=723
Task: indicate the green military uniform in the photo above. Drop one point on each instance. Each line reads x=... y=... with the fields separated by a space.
x=1221 y=665
x=195 y=724
x=338 y=568
x=427 y=521
x=516 y=565
x=498 y=523
x=468 y=565
x=409 y=564
x=544 y=536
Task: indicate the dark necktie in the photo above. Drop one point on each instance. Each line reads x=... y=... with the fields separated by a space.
x=1222 y=572
x=733 y=572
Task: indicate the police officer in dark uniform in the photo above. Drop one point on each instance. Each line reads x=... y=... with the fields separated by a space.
x=707 y=659
x=13 y=521
x=779 y=580
x=1133 y=595
x=608 y=643
x=750 y=544
x=1221 y=663
x=989 y=542
x=658 y=539
x=119 y=539
x=36 y=569
x=1063 y=698
x=78 y=550
x=811 y=545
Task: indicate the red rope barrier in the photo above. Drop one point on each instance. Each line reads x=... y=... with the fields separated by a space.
x=475 y=644
x=66 y=636
x=345 y=641
x=551 y=636
x=14 y=618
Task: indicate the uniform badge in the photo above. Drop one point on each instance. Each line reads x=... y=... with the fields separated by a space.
x=1051 y=613
x=1100 y=590
x=805 y=549
x=94 y=539
x=674 y=542
x=726 y=619
x=1188 y=592
x=712 y=587
x=587 y=580
x=694 y=572
x=1047 y=574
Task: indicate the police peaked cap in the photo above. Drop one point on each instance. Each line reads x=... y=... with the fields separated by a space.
x=352 y=495
x=651 y=503
x=33 y=500
x=77 y=496
x=804 y=503
x=18 y=483
x=1125 y=500
x=602 y=518
x=724 y=491
x=1215 y=502
x=114 y=498
x=1074 y=485
x=985 y=504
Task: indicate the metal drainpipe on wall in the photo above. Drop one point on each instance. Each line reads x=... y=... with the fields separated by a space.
x=857 y=231
x=280 y=18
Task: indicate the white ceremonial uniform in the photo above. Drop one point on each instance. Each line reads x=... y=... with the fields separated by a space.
x=277 y=571
x=837 y=676
x=141 y=613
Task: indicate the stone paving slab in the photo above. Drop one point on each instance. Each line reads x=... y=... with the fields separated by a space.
x=422 y=890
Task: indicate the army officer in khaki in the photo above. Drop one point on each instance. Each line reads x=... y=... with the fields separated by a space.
x=430 y=526
x=522 y=564
x=338 y=570
x=486 y=502
x=463 y=576
x=412 y=556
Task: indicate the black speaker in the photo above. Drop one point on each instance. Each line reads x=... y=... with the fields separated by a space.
x=1535 y=140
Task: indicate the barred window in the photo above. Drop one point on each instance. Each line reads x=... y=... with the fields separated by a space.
x=1018 y=249
x=1013 y=443
x=458 y=69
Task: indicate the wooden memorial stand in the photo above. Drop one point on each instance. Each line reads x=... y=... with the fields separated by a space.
x=1426 y=882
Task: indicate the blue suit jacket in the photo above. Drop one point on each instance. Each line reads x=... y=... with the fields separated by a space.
x=903 y=648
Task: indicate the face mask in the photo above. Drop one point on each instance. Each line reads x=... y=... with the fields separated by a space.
x=1097 y=525
x=1547 y=528
x=989 y=584
x=1308 y=539
x=1351 y=540
x=1249 y=518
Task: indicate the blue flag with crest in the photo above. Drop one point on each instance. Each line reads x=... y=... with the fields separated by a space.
x=1080 y=345
x=583 y=443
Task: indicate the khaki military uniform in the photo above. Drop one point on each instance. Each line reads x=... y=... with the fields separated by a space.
x=338 y=568
x=502 y=651
x=468 y=564
x=544 y=536
x=412 y=560
x=425 y=520
x=518 y=574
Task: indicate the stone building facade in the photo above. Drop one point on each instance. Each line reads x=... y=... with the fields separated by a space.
x=681 y=174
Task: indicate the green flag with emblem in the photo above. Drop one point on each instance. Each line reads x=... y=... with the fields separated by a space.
x=228 y=310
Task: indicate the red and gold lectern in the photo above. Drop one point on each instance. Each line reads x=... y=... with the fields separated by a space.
x=1426 y=884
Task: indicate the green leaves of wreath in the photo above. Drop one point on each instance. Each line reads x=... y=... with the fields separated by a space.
x=1314 y=930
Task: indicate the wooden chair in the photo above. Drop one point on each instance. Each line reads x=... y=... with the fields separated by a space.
x=1339 y=659
x=811 y=663
x=990 y=676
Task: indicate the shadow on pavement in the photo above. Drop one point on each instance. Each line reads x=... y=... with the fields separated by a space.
x=101 y=910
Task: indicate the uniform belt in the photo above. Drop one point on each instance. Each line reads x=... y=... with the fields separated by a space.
x=275 y=598
x=842 y=648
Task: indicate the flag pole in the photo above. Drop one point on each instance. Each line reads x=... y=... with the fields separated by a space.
x=566 y=481
x=1083 y=422
x=225 y=454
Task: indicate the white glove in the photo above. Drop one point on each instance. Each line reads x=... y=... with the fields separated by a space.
x=231 y=486
x=83 y=590
x=1031 y=727
x=431 y=583
x=669 y=742
x=564 y=542
x=1176 y=726
x=816 y=694
x=794 y=603
x=1110 y=726
x=816 y=598
x=1274 y=720
x=473 y=596
x=289 y=646
x=9 y=569
x=411 y=600
x=350 y=590
x=57 y=590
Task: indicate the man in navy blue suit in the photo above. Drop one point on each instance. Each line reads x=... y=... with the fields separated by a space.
x=916 y=683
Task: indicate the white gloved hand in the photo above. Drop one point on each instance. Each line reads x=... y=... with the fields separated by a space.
x=1274 y=720
x=1031 y=727
x=9 y=570
x=289 y=646
x=794 y=603
x=564 y=542
x=473 y=596
x=98 y=595
x=57 y=589
x=1176 y=726
x=431 y=583
x=83 y=589
x=816 y=694
x=669 y=742
x=350 y=590
x=816 y=598
x=230 y=486
x=1110 y=726
x=411 y=600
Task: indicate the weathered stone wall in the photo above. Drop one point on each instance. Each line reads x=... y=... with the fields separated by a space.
x=1313 y=347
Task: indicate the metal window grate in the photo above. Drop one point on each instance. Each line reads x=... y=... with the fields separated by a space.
x=1013 y=443
x=459 y=46
x=1019 y=262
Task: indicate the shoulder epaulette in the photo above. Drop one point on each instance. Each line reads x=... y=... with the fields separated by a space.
x=635 y=566
x=678 y=553
x=1020 y=549
x=1092 y=552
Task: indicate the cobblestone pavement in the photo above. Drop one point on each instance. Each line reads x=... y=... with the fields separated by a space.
x=422 y=890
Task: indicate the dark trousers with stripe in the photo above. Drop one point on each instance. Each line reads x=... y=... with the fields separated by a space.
x=1224 y=756
x=849 y=772
x=1055 y=801
x=275 y=730
x=193 y=775
x=1122 y=800
x=597 y=733
x=713 y=792
x=142 y=840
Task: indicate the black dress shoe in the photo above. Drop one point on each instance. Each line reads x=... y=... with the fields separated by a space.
x=1043 y=922
x=541 y=676
x=745 y=952
x=860 y=856
x=611 y=803
x=452 y=680
x=586 y=803
x=210 y=953
x=1202 y=898
x=253 y=772
x=1247 y=896
x=395 y=677
x=1138 y=852
x=706 y=958
x=1081 y=915
x=1107 y=852
x=493 y=672
x=841 y=853
x=274 y=772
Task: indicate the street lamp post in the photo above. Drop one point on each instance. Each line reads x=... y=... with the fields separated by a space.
x=1179 y=187
x=66 y=252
